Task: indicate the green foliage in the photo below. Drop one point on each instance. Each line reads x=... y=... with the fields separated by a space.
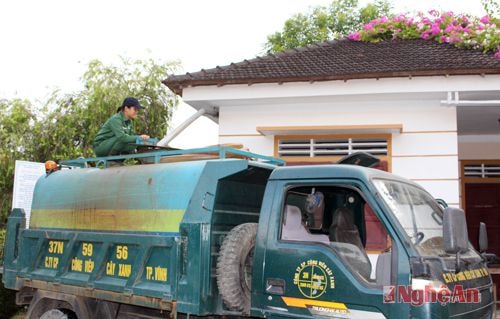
x=340 y=18
x=64 y=125
x=16 y=142
x=492 y=8
x=70 y=129
x=7 y=297
x=445 y=27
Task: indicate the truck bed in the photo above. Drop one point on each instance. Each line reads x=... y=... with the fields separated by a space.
x=131 y=268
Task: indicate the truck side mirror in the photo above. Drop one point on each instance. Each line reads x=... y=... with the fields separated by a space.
x=442 y=203
x=455 y=231
x=483 y=238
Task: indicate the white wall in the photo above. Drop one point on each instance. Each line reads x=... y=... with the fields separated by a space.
x=425 y=151
x=479 y=147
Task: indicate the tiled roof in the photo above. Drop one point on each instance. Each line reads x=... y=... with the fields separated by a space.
x=343 y=60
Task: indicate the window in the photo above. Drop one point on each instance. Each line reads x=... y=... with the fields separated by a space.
x=325 y=148
x=482 y=170
x=419 y=214
x=340 y=218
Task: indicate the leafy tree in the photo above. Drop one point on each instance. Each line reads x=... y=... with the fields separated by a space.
x=65 y=125
x=16 y=142
x=340 y=18
x=492 y=8
x=69 y=130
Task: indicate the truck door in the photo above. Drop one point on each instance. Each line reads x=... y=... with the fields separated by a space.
x=328 y=255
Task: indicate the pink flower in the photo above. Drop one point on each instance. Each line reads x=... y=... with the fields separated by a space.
x=425 y=35
x=485 y=19
x=435 y=29
x=399 y=18
x=355 y=36
x=445 y=27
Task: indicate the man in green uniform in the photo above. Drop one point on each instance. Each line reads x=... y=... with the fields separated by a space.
x=115 y=136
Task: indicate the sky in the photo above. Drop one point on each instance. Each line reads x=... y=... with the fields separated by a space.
x=47 y=44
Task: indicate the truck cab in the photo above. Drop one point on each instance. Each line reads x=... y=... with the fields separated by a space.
x=343 y=241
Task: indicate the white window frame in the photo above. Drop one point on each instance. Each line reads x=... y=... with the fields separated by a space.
x=309 y=153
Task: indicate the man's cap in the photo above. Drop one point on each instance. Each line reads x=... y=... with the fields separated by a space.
x=132 y=101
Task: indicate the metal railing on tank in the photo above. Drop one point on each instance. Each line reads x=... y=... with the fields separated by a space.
x=164 y=156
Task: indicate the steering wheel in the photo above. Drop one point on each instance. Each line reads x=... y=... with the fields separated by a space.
x=432 y=243
x=419 y=237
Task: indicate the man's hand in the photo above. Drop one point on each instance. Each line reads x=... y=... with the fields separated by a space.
x=144 y=137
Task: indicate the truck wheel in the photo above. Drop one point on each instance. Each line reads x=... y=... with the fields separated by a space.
x=55 y=314
x=234 y=267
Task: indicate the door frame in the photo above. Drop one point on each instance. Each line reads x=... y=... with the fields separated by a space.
x=476 y=180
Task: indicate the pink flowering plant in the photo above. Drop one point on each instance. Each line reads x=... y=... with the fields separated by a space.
x=445 y=27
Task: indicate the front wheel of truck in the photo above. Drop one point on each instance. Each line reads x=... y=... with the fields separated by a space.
x=234 y=267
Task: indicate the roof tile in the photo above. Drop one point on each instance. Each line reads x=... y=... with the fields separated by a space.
x=345 y=59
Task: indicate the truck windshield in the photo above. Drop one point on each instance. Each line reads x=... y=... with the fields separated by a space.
x=418 y=213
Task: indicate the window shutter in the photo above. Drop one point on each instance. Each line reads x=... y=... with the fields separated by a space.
x=482 y=170
x=327 y=147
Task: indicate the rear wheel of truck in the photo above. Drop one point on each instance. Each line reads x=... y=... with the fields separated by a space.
x=234 y=267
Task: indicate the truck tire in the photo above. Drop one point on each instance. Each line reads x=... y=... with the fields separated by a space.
x=234 y=267
x=55 y=314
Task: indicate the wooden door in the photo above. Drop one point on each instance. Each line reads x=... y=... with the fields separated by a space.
x=482 y=202
x=483 y=205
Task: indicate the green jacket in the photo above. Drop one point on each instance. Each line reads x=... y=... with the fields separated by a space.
x=116 y=127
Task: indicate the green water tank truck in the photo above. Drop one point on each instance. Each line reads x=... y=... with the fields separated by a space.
x=239 y=237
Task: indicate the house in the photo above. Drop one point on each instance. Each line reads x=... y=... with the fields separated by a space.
x=431 y=110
